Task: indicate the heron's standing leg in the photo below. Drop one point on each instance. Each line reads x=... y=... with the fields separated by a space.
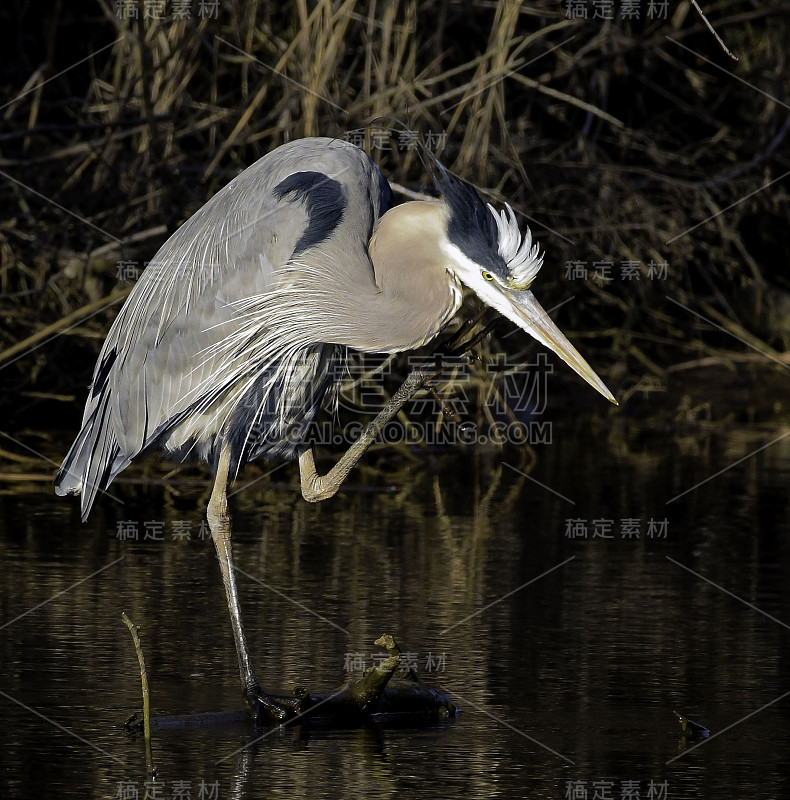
x=219 y=523
x=317 y=487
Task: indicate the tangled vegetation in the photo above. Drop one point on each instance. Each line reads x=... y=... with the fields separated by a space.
x=651 y=167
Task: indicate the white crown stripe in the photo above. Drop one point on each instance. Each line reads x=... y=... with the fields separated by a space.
x=522 y=258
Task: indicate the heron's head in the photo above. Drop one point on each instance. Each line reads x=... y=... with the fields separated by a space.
x=485 y=250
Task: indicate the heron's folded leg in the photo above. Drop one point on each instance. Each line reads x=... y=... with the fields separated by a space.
x=317 y=487
x=262 y=704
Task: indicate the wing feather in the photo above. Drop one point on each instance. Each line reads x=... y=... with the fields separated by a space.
x=164 y=358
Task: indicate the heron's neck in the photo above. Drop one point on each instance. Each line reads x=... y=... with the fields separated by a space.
x=402 y=303
x=417 y=294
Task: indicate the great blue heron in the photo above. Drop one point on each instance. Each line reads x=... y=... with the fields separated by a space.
x=230 y=340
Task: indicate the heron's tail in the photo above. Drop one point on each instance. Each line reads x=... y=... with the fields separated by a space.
x=93 y=461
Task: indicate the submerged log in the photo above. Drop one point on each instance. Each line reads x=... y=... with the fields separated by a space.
x=389 y=693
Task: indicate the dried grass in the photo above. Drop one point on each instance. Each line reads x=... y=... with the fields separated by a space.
x=611 y=139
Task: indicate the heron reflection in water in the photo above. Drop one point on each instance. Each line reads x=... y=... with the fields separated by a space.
x=229 y=343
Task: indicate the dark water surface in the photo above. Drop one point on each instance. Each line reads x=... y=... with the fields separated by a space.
x=567 y=681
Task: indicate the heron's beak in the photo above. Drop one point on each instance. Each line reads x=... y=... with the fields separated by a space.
x=524 y=310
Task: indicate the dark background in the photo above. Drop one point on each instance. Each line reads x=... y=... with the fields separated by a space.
x=616 y=140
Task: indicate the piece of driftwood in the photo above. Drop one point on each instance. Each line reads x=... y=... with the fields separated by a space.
x=389 y=693
x=691 y=729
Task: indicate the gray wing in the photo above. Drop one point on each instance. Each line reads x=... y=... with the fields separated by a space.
x=160 y=356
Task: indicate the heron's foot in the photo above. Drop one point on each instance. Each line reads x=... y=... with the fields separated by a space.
x=455 y=346
x=389 y=690
x=271 y=709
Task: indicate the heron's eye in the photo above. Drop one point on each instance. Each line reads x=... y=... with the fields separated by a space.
x=487 y=276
